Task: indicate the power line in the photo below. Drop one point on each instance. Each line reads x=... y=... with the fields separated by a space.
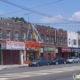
x=32 y=7
x=37 y=12
x=22 y=7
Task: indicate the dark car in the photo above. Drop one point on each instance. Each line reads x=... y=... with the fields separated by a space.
x=58 y=60
x=39 y=62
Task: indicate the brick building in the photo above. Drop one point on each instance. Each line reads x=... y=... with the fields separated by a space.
x=17 y=31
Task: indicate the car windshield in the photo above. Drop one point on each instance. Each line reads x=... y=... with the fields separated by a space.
x=55 y=58
x=71 y=58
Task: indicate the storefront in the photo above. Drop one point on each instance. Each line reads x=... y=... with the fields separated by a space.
x=64 y=52
x=12 y=52
x=32 y=51
x=48 y=53
x=75 y=52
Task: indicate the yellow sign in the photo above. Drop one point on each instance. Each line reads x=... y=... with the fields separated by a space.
x=37 y=49
x=76 y=54
x=33 y=35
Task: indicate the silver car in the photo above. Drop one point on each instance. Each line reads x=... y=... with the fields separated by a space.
x=73 y=60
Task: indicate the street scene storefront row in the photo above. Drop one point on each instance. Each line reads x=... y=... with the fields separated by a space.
x=32 y=51
x=12 y=52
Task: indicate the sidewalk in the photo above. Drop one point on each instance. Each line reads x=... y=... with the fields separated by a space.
x=12 y=66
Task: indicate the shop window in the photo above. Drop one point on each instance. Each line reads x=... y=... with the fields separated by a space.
x=74 y=41
x=69 y=41
x=16 y=35
x=8 y=34
x=42 y=38
x=47 y=39
x=0 y=33
x=79 y=43
x=23 y=36
x=52 y=39
x=61 y=40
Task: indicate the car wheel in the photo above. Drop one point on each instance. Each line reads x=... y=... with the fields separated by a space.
x=37 y=64
x=47 y=64
x=64 y=62
x=57 y=63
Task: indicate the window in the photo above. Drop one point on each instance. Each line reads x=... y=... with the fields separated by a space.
x=42 y=38
x=8 y=34
x=23 y=36
x=74 y=41
x=57 y=40
x=30 y=36
x=47 y=39
x=69 y=41
x=16 y=35
x=0 y=33
x=52 y=39
x=79 y=43
x=61 y=40
x=65 y=41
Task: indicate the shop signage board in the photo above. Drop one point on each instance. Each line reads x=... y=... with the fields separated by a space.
x=47 y=49
x=75 y=49
x=14 y=45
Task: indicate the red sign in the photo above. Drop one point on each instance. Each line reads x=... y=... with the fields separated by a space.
x=66 y=49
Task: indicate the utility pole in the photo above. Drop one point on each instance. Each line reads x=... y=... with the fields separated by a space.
x=28 y=15
x=55 y=33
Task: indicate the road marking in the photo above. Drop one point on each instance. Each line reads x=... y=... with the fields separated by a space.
x=39 y=72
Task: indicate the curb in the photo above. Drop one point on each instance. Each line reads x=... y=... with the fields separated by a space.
x=14 y=67
x=5 y=79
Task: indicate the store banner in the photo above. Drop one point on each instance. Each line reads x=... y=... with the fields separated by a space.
x=14 y=45
x=32 y=44
x=47 y=49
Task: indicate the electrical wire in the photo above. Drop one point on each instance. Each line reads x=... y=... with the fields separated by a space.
x=32 y=7
x=37 y=12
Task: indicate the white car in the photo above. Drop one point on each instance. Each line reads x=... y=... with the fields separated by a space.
x=73 y=60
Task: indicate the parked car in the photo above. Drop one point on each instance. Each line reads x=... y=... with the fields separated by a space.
x=73 y=59
x=39 y=62
x=58 y=60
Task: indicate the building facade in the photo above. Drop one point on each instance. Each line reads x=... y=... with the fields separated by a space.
x=55 y=42
x=72 y=42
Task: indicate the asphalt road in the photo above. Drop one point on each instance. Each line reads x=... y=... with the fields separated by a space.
x=52 y=72
x=27 y=69
x=59 y=76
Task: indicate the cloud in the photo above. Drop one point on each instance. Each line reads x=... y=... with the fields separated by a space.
x=75 y=16
x=48 y=19
x=1 y=12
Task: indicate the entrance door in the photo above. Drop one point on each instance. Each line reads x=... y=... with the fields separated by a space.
x=63 y=55
x=49 y=56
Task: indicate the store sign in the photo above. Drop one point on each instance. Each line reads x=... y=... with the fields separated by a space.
x=32 y=44
x=46 y=49
x=14 y=45
x=66 y=50
x=76 y=50
x=37 y=49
